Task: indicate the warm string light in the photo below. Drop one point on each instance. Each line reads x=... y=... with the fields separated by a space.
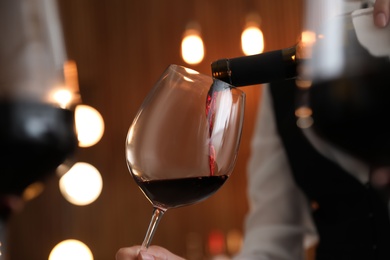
x=252 y=39
x=82 y=184
x=89 y=125
x=192 y=47
x=71 y=249
x=63 y=97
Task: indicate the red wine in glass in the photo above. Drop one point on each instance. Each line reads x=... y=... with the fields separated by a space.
x=35 y=138
x=173 y=193
x=210 y=114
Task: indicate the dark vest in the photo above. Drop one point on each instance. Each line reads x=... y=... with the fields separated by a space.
x=351 y=218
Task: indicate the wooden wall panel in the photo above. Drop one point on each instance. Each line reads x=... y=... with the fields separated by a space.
x=121 y=47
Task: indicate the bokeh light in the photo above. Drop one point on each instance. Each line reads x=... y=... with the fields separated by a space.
x=82 y=184
x=89 y=125
x=71 y=249
x=192 y=48
x=252 y=40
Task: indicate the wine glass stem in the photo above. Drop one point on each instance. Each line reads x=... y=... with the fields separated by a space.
x=156 y=217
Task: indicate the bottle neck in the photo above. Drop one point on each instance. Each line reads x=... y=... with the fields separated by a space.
x=220 y=69
x=257 y=69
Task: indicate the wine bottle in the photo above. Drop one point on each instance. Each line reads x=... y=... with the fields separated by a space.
x=257 y=69
x=275 y=65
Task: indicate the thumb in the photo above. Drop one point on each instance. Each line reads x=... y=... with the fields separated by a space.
x=145 y=255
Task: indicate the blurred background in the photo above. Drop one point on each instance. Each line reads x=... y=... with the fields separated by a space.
x=121 y=47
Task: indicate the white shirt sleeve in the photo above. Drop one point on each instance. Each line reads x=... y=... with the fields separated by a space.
x=279 y=224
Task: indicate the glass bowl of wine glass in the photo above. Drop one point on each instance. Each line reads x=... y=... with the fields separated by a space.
x=183 y=143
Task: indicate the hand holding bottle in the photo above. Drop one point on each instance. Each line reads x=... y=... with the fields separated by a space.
x=381 y=13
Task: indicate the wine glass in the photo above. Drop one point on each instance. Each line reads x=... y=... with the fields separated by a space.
x=183 y=143
x=37 y=100
x=345 y=80
x=38 y=95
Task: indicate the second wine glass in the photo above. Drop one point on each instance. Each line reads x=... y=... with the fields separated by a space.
x=183 y=143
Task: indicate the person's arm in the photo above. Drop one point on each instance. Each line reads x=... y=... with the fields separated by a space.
x=381 y=13
x=279 y=218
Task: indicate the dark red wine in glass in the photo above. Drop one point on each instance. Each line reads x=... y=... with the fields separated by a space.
x=173 y=193
x=35 y=138
x=212 y=94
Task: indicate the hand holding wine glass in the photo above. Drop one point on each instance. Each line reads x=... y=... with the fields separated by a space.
x=183 y=143
x=153 y=252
